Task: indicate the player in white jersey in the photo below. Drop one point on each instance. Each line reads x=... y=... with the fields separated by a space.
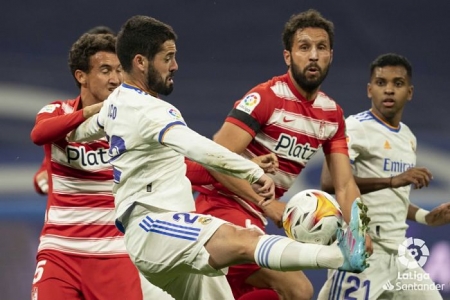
x=171 y=246
x=382 y=150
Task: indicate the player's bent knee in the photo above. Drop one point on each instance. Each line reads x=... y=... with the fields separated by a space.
x=236 y=242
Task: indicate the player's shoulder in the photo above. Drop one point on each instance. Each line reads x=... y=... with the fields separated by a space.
x=276 y=86
x=406 y=130
x=361 y=117
x=64 y=106
x=326 y=103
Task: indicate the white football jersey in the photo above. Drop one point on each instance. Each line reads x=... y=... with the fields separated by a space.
x=379 y=150
x=148 y=140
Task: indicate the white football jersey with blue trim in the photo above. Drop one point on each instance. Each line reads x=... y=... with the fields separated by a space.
x=148 y=140
x=379 y=150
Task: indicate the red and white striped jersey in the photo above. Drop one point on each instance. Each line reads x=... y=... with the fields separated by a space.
x=80 y=210
x=282 y=121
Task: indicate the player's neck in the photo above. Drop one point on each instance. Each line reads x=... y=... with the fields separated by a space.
x=87 y=99
x=139 y=85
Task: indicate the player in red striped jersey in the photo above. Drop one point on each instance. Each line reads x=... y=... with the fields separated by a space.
x=81 y=254
x=292 y=118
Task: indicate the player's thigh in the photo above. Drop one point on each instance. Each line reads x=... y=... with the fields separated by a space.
x=369 y=284
x=290 y=285
x=152 y=292
x=198 y=286
x=119 y=273
x=54 y=281
x=165 y=243
x=342 y=285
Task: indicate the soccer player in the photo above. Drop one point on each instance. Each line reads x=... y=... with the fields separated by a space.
x=173 y=247
x=383 y=155
x=290 y=117
x=81 y=253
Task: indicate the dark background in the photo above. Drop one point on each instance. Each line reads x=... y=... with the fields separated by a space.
x=224 y=49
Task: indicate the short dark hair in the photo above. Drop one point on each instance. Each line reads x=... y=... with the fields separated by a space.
x=101 y=29
x=85 y=47
x=310 y=18
x=391 y=59
x=141 y=35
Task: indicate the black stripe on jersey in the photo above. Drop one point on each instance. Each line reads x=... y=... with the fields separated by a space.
x=245 y=118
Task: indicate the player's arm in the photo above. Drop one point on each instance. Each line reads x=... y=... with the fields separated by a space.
x=341 y=176
x=52 y=126
x=89 y=130
x=40 y=179
x=419 y=177
x=92 y=128
x=439 y=216
x=213 y=156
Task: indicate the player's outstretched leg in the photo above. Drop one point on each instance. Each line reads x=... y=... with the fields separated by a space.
x=352 y=242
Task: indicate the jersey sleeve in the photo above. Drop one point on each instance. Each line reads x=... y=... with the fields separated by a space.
x=338 y=143
x=92 y=128
x=52 y=124
x=154 y=123
x=210 y=154
x=252 y=111
x=356 y=138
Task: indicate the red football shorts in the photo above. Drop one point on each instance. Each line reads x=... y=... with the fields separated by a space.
x=70 y=277
x=229 y=210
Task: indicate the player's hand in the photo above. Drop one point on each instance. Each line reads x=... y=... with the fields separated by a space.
x=266 y=188
x=91 y=110
x=42 y=181
x=267 y=162
x=274 y=211
x=439 y=216
x=419 y=177
x=369 y=245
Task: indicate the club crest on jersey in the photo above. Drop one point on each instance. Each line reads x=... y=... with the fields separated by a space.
x=249 y=102
x=204 y=220
x=174 y=113
x=413 y=147
x=49 y=108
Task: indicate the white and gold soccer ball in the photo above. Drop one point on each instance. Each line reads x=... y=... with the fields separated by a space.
x=312 y=216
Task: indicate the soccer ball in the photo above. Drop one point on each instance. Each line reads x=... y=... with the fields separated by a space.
x=312 y=216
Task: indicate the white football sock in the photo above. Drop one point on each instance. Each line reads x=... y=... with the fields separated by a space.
x=284 y=254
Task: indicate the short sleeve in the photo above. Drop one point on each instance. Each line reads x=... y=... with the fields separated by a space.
x=337 y=143
x=253 y=110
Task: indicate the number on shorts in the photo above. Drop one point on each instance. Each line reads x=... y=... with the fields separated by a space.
x=187 y=218
x=355 y=287
x=39 y=270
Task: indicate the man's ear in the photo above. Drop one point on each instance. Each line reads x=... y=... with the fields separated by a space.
x=141 y=62
x=81 y=77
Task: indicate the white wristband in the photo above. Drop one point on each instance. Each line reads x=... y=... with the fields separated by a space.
x=420 y=216
x=43 y=185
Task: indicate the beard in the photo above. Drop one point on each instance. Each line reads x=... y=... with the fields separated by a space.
x=156 y=83
x=308 y=85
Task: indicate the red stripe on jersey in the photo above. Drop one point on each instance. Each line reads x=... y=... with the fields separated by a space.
x=79 y=200
x=77 y=167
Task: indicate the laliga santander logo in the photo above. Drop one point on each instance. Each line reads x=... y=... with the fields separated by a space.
x=417 y=249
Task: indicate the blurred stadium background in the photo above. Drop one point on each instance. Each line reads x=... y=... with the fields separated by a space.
x=225 y=47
